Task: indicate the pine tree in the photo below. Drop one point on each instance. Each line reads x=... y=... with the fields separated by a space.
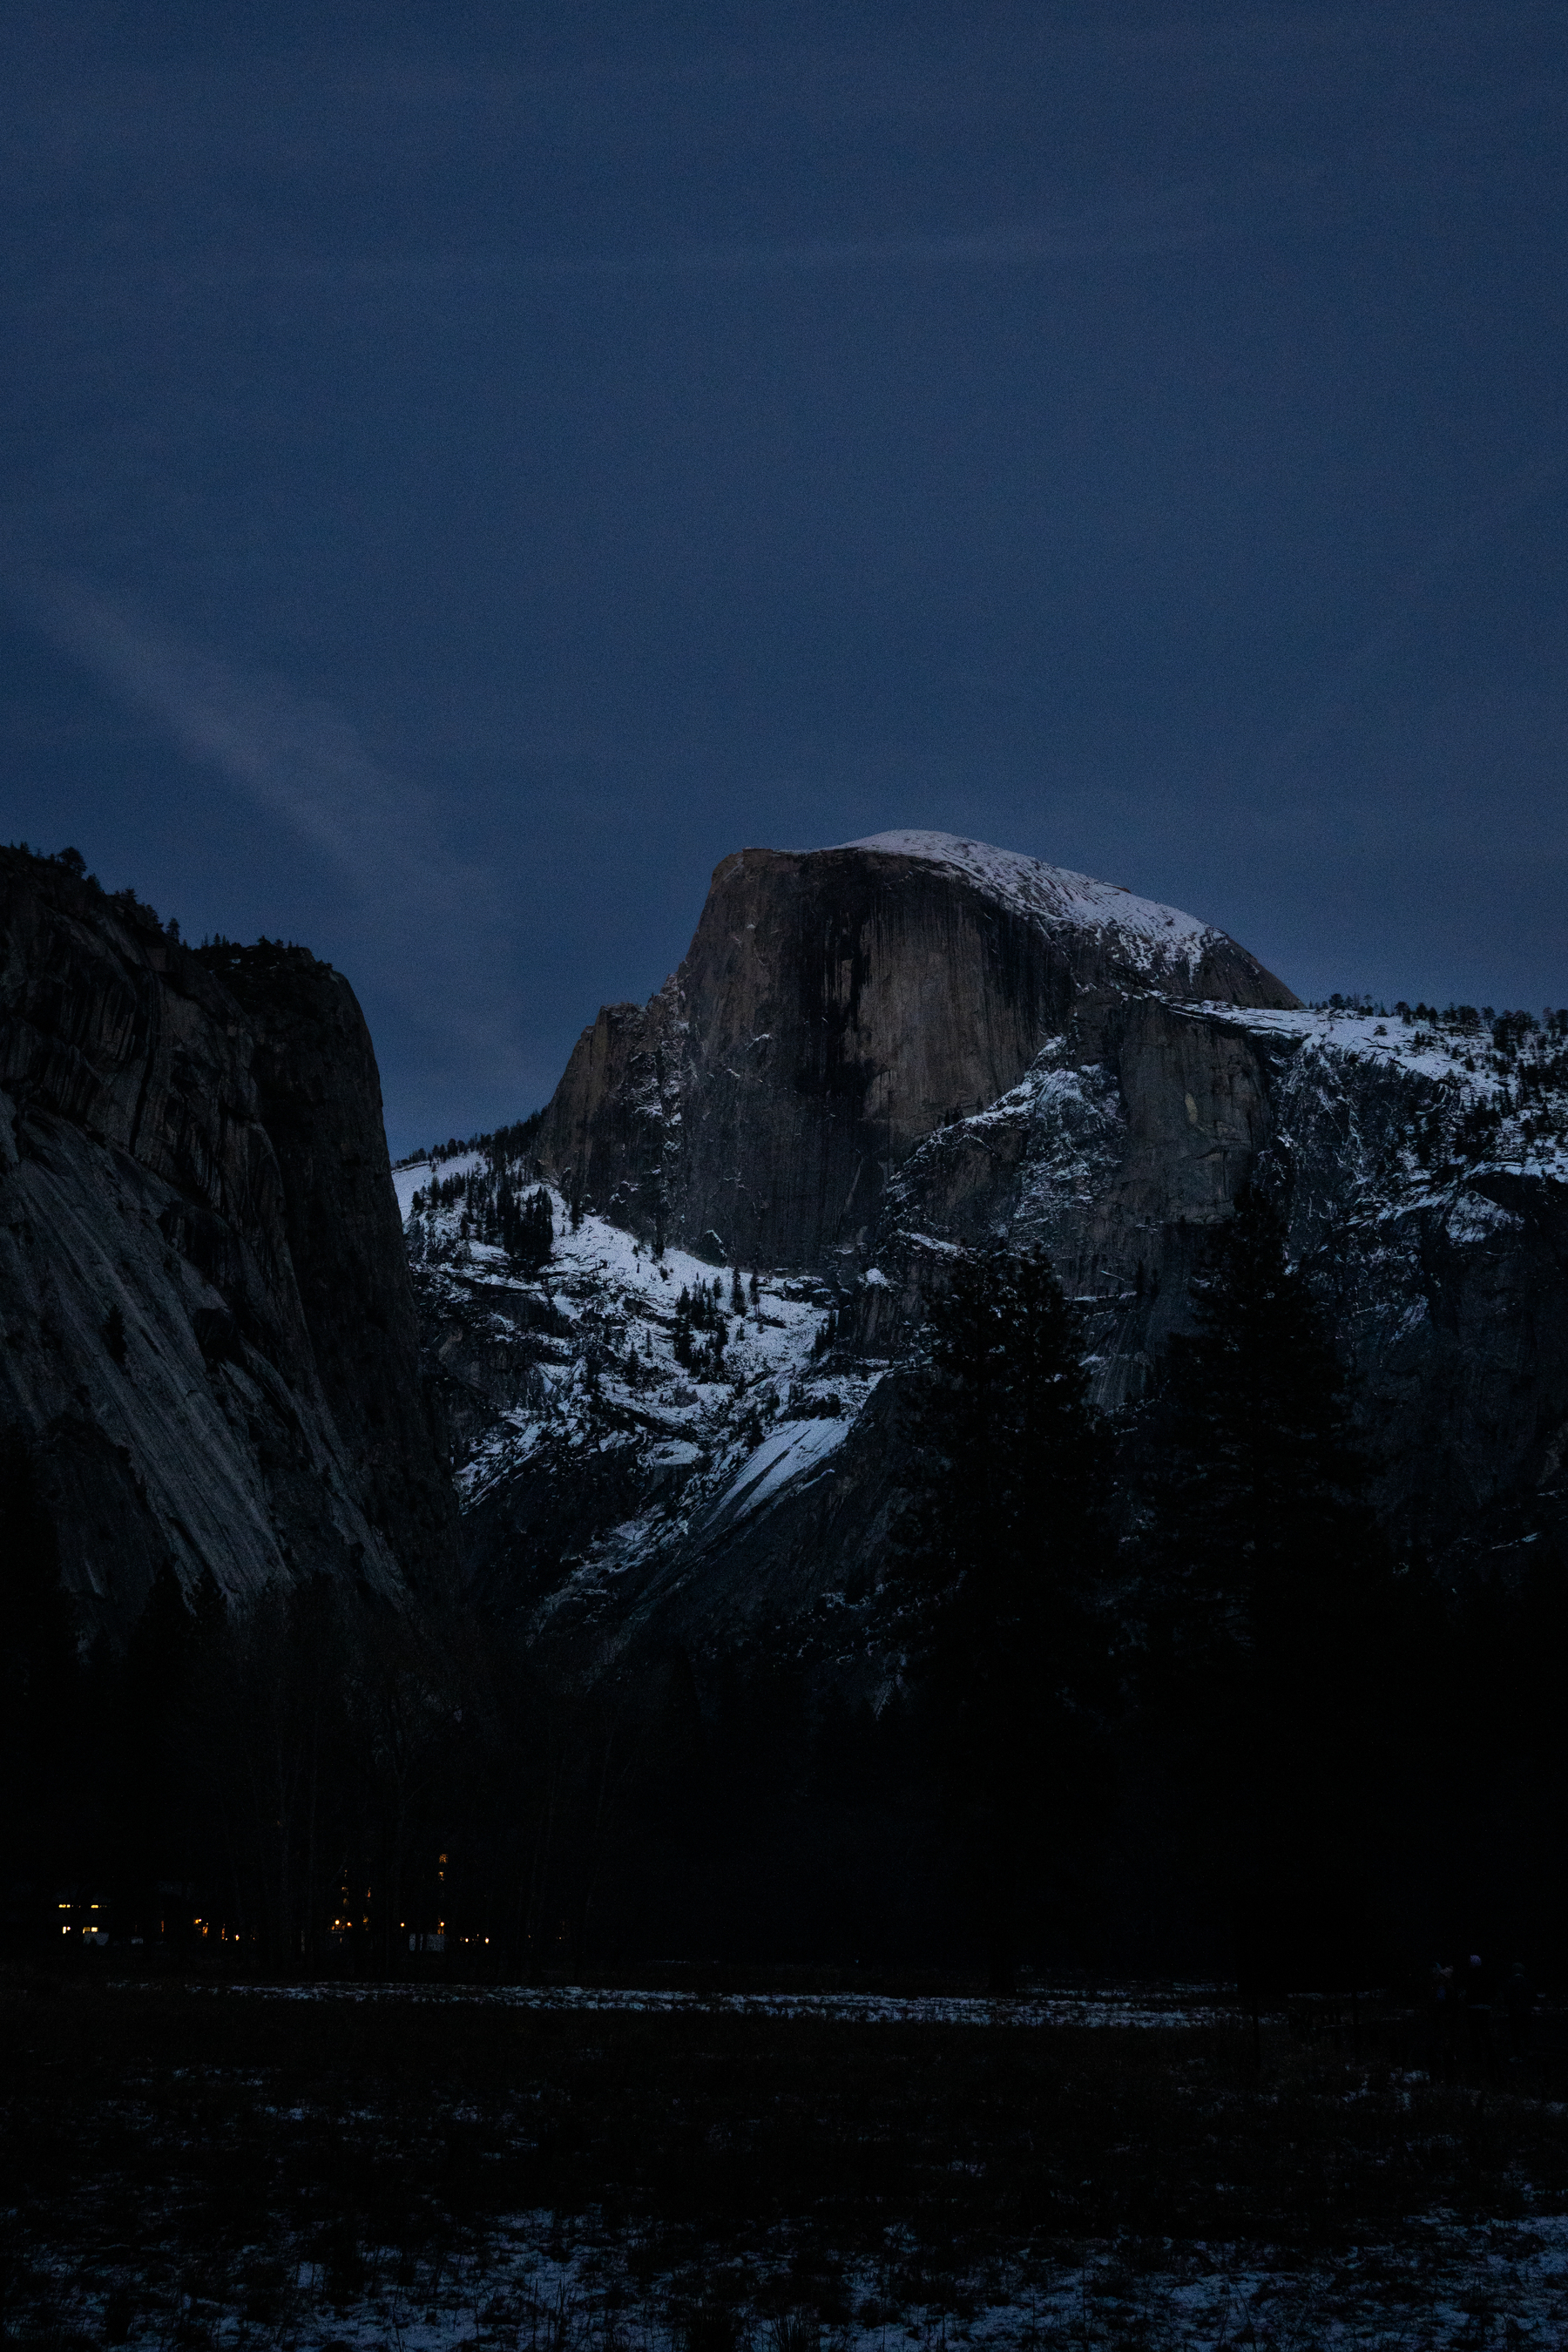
x=151 y=1792
x=1262 y=1502
x=1000 y=1553
x=1271 y=1587
x=529 y=1237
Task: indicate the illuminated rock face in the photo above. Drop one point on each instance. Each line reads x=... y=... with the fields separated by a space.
x=832 y=1011
x=210 y=1338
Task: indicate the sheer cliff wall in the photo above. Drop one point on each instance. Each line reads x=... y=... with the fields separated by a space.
x=209 y=1336
x=834 y=1009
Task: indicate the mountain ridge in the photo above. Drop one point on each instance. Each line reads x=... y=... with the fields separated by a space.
x=1422 y=1163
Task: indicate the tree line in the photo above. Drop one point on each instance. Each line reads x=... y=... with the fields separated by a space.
x=1171 y=1699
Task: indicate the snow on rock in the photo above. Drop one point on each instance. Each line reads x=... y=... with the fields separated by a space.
x=787 y=1456
x=565 y=1386
x=1054 y=894
x=417 y=1175
x=1519 y=1099
x=1420 y=1157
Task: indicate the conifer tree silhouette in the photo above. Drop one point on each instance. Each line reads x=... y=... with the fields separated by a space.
x=1271 y=1585
x=1001 y=1551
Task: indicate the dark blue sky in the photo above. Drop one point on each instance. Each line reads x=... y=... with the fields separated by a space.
x=467 y=469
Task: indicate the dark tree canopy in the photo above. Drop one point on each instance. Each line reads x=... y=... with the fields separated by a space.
x=1271 y=1607
x=1261 y=1510
x=1003 y=1550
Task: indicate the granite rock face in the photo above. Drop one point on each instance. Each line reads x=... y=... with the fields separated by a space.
x=835 y=1009
x=209 y=1334
x=873 y=1057
x=1442 y=1263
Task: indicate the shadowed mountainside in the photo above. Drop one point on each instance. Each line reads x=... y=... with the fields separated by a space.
x=210 y=1339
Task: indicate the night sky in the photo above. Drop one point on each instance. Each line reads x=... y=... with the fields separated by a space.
x=465 y=470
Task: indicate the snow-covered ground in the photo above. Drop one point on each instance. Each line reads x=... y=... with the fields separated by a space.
x=558 y=2282
x=415 y=1176
x=1453 y=2289
x=1138 y=2006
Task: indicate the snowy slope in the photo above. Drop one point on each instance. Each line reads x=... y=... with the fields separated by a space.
x=566 y=1386
x=414 y=1176
x=1055 y=896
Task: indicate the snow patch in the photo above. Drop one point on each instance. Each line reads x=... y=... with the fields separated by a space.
x=786 y=1455
x=1056 y=896
x=406 y=1182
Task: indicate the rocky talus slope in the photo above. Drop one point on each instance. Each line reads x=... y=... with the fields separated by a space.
x=209 y=1331
x=874 y=1056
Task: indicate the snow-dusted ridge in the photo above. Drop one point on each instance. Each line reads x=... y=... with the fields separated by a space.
x=1520 y=1094
x=1054 y=894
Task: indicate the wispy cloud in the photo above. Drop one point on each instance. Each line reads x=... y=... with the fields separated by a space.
x=1153 y=224
x=431 y=920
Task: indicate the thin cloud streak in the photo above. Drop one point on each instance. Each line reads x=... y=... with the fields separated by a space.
x=1139 y=229
x=1177 y=222
x=304 y=764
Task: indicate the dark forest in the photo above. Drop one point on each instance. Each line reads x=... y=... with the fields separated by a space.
x=1174 y=1702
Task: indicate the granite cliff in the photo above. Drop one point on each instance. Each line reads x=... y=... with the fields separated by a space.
x=832 y=1011
x=869 y=1057
x=209 y=1333
x=875 y=1054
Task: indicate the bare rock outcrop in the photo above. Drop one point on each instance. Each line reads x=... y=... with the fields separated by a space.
x=835 y=1009
x=1441 y=1252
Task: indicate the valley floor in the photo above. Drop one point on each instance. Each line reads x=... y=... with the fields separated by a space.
x=189 y=2166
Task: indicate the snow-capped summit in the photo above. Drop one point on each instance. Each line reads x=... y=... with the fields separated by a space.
x=834 y=1008
x=1053 y=894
